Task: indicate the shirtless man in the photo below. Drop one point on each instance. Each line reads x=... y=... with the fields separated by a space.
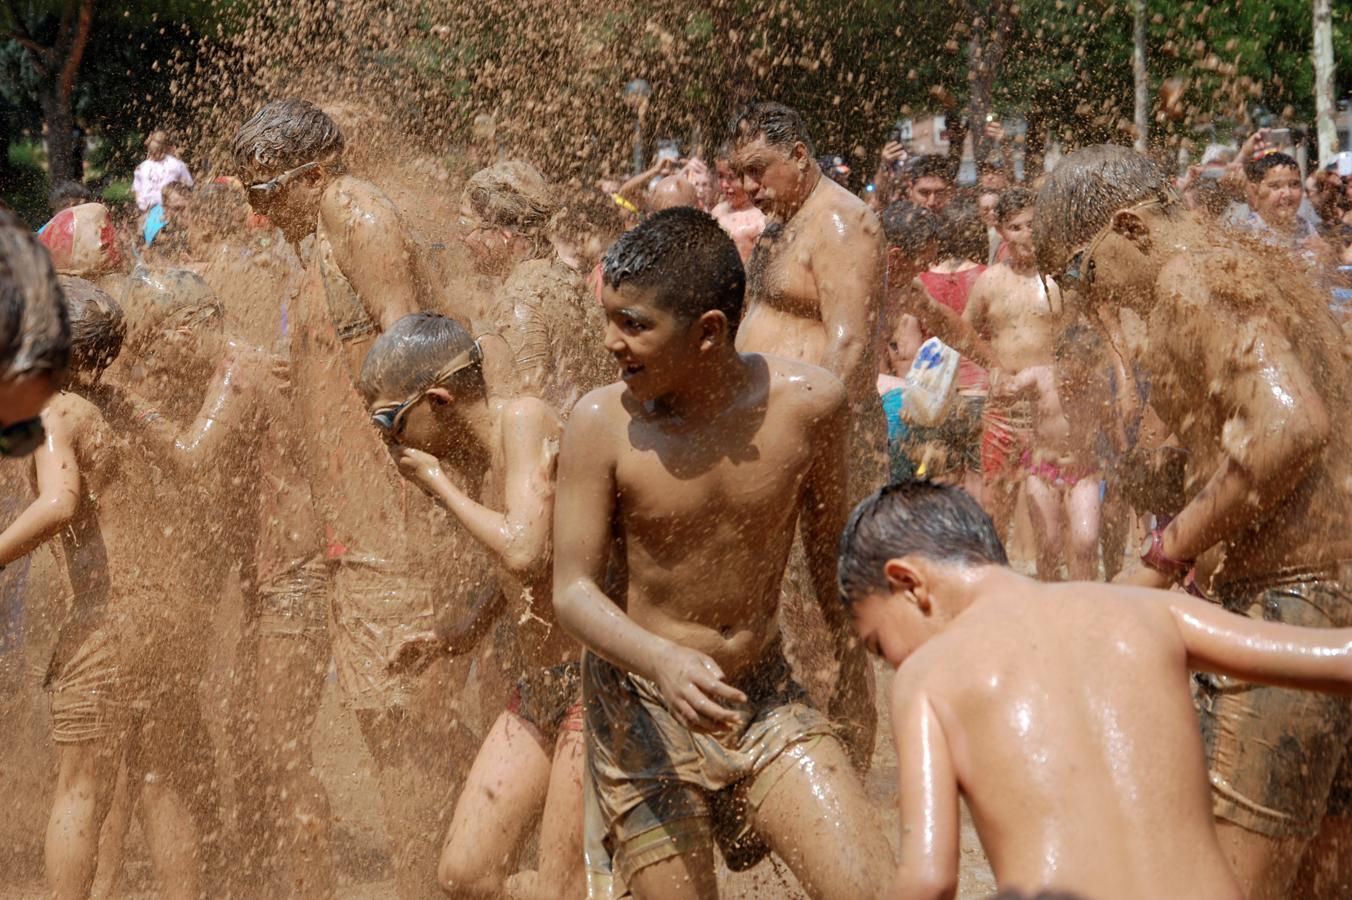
x=1247 y=368
x=111 y=676
x=1061 y=713
x=699 y=463
x=34 y=336
x=931 y=182
x=1072 y=408
x=1010 y=306
x=364 y=274
x=740 y=218
x=441 y=402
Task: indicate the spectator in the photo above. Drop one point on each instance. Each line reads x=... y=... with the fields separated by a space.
x=931 y=178
x=160 y=167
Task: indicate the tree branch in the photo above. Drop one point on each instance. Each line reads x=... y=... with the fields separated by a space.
x=66 y=80
x=40 y=54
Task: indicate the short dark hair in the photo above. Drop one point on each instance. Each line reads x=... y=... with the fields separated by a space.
x=782 y=126
x=962 y=234
x=1256 y=169
x=909 y=227
x=511 y=194
x=284 y=134
x=67 y=192
x=97 y=325
x=1012 y=202
x=687 y=257
x=1083 y=192
x=157 y=300
x=930 y=165
x=409 y=354
x=34 y=329
x=914 y=518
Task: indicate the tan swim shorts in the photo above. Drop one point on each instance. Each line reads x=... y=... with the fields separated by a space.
x=90 y=685
x=1278 y=758
x=657 y=790
x=296 y=601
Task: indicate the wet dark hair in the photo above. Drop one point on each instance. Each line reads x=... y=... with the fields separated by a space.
x=687 y=257
x=66 y=193
x=909 y=227
x=1085 y=190
x=409 y=354
x=511 y=194
x=962 y=234
x=97 y=325
x=34 y=329
x=1256 y=169
x=282 y=135
x=930 y=165
x=1012 y=202
x=782 y=126
x=915 y=518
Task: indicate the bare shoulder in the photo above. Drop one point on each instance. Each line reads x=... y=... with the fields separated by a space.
x=353 y=203
x=69 y=412
x=845 y=217
x=818 y=391
x=597 y=413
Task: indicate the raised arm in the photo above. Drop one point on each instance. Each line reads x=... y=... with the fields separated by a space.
x=583 y=515
x=518 y=536
x=849 y=276
x=58 y=499
x=927 y=794
x=824 y=512
x=372 y=248
x=1318 y=659
x=945 y=324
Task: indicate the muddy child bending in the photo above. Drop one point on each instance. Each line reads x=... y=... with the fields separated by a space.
x=1062 y=713
x=701 y=462
x=441 y=401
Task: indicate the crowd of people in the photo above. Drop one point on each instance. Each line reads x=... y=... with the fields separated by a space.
x=609 y=499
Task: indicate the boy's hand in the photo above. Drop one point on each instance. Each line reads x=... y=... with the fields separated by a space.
x=423 y=469
x=691 y=684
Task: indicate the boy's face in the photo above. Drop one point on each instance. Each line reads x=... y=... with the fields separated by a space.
x=655 y=351
x=425 y=424
x=931 y=192
x=1017 y=231
x=1277 y=197
x=890 y=625
x=987 y=203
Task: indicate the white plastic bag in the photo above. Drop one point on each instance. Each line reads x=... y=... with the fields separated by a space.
x=931 y=384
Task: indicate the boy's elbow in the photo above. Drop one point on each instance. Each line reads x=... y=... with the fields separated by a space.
x=925 y=885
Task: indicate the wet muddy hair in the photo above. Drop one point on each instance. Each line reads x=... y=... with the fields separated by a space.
x=408 y=355
x=1085 y=190
x=782 y=126
x=930 y=165
x=1012 y=202
x=936 y=522
x=97 y=326
x=511 y=194
x=909 y=227
x=687 y=258
x=962 y=233
x=282 y=135
x=34 y=329
x=1255 y=170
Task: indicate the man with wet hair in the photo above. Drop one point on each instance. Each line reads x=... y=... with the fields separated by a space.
x=34 y=336
x=815 y=287
x=113 y=698
x=383 y=545
x=931 y=182
x=451 y=411
x=699 y=464
x=1247 y=368
x=1061 y=713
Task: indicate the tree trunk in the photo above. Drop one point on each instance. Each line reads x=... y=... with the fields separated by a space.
x=1324 y=108
x=1034 y=145
x=62 y=162
x=1142 y=77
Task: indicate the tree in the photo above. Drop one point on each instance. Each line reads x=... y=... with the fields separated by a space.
x=1323 y=80
x=56 y=64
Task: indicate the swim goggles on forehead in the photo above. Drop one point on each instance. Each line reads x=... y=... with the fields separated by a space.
x=1078 y=274
x=22 y=438
x=269 y=189
x=390 y=419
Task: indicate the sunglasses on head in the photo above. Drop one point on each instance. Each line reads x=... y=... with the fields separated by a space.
x=22 y=438
x=268 y=189
x=390 y=419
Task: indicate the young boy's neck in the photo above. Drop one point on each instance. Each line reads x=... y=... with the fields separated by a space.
x=961 y=586
x=709 y=390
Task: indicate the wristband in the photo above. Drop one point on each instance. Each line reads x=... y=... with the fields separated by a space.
x=1153 y=556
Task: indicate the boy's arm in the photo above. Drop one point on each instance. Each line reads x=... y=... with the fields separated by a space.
x=824 y=512
x=373 y=253
x=1318 y=659
x=519 y=537
x=944 y=323
x=454 y=633
x=849 y=279
x=584 y=511
x=927 y=794
x=58 y=496
x=231 y=396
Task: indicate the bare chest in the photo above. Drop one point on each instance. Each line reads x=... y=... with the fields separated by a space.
x=779 y=273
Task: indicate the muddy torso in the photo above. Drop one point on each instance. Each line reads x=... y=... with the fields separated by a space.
x=783 y=311
x=1019 y=321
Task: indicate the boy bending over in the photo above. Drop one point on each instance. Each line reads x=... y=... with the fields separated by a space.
x=1061 y=712
x=700 y=463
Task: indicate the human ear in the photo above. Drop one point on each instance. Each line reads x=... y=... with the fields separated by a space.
x=904 y=577
x=713 y=329
x=1132 y=227
x=439 y=396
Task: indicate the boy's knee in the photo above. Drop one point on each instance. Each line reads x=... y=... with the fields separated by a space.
x=460 y=875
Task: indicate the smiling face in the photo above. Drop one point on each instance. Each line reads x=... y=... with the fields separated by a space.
x=653 y=348
x=1277 y=197
x=772 y=177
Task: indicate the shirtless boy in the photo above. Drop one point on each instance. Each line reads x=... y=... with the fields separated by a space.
x=699 y=463
x=440 y=401
x=111 y=676
x=1010 y=306
x=1072 y=410
x=364 y=274
x=1061 y=713
x=1247 y=368
x=740 y=218
x=34 y=336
